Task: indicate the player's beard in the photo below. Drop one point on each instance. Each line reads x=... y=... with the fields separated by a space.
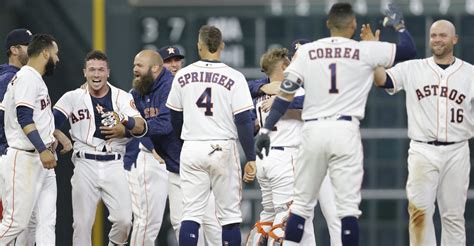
x=442 y=52
x=49 y=68
x=23 y=58
x=142 y=84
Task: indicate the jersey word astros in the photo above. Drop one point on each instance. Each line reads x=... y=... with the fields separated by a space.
x=439 y=101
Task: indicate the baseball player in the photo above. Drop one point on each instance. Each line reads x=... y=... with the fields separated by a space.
x=146 y=172
x=217 y=98
x=16 y=44
x=275 y=172
x=100 y=116
x=172 y=58
x=151 y=87
x=337 y=73
x=439 y=94
x=30 y=181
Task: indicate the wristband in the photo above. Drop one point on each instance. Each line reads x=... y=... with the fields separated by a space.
x=35 y=139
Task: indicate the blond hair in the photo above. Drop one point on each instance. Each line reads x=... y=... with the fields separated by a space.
x=269 y=60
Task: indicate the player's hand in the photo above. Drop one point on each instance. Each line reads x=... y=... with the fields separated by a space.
x=63 y=140
x=270 y=88
x=267 y=104
x=48 y=159
x=111 y=118
x=262 y=141
x=393 y=17
x=250 y=171
x=117 y=131
x=367 y=35
x=157 y=157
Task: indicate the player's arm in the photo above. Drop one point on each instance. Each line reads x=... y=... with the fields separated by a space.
x=25 y=119
x=288 y=89
x=177 y=121
x=131 y=154
x=245 y=129
x=255 y=86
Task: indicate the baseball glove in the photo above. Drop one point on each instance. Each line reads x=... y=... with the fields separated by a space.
x=111 y=119
x=393 y=16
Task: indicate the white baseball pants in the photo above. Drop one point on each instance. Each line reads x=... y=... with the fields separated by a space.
x=30 y=196
x=148 y=183
x=94 y=180
x=437 y=173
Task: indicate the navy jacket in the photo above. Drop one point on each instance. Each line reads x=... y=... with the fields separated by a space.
x=153 y=108
x=6 y=74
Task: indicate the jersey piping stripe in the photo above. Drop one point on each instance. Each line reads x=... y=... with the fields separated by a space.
x=437 y=99
x=13 y=195
x=62 y=111
x=116 y=100
x=392 y=59
x=25 y=104
x=243 y=109
x=131 y=177
x=394 y=90
x=173 y=107
x=51 y=120
x=239 y=172
x=146 y=199
x=447 y=80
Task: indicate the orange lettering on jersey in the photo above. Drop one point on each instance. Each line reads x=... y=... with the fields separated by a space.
x=132 y=104
x=151 y=112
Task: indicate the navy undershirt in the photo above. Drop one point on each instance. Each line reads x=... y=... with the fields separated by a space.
x=101 y=105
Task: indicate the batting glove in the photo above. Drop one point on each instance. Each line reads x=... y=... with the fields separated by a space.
x=393 y=17
x=262 y=141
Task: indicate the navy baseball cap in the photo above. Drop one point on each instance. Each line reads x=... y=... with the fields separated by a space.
x=167 y=52
x=296 y=44
x=18 y=37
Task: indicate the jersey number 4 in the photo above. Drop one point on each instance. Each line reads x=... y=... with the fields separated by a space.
x=205 y=101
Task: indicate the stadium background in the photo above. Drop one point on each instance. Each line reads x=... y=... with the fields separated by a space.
x=249 y=28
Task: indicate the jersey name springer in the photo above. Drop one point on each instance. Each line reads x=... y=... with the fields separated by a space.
x=321 y=53
x=206 y=77
x=432 y=90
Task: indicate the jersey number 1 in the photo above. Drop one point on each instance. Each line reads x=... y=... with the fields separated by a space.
x=333 y=89
x=204 y=101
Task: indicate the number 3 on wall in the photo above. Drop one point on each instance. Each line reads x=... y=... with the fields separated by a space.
x=204 y=101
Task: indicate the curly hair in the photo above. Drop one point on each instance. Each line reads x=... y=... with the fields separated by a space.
x=269 y=60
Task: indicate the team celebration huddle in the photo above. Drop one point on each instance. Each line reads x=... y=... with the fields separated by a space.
x=175 y=136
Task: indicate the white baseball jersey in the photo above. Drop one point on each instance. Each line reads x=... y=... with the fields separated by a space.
x=76 y=105
x=439 y=102
x=223 y=93
x=287 y=130
x=28 y=89
x=337 y=73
